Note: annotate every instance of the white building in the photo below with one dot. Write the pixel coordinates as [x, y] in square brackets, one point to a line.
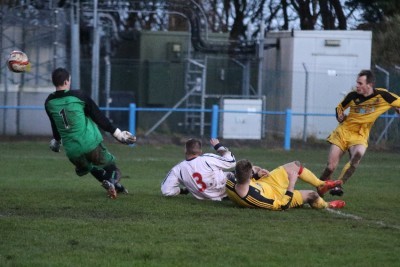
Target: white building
[310, 72]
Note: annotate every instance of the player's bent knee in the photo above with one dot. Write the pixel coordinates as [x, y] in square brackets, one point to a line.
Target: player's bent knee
[297, 163]
[293, 167]
[299, 167]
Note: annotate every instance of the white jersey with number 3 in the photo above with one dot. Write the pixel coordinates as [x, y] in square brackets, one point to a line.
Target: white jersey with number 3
[203, 176]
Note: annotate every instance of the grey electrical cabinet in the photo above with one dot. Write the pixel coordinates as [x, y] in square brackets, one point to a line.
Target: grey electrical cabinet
[242, 118]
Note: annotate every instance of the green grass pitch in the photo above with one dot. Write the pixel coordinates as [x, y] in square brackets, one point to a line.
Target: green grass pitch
[51, 217]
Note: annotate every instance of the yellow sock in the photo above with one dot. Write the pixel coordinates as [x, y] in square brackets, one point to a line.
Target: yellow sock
[307, 176]
[345, 168]
[319, 203]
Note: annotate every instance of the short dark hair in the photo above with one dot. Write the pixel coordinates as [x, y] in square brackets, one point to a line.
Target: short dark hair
[193, 147]
[370, 77]
[243, 170]
[59, 76]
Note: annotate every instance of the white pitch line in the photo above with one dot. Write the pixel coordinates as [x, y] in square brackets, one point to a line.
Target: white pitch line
[354, 217]
[358, 218]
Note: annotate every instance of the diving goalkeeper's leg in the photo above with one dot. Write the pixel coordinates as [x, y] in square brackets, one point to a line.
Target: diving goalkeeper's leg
[109, 177]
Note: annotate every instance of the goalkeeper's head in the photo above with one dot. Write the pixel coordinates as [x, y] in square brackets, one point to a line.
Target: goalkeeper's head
[193, 148]
[61, 79]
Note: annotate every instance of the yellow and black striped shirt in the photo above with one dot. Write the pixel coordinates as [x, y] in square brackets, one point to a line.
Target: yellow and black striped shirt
[260, 195]
[365, 110]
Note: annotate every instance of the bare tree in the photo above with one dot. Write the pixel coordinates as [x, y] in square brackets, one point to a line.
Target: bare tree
[342, 21]
[386, 36]
[304, 9]
[284, 6]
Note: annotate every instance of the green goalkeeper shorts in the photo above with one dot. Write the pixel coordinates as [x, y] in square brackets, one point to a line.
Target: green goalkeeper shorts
[97, 158]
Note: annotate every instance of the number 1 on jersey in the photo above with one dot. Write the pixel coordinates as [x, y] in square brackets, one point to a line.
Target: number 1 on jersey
[64, 117]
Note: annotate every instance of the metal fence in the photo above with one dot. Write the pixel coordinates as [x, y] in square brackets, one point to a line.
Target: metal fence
[133, 112]
[42, 34]
[313, 115]
[157, 85]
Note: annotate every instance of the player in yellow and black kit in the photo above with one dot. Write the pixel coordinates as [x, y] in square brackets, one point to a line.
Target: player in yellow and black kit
[366, 104]
[254, 187]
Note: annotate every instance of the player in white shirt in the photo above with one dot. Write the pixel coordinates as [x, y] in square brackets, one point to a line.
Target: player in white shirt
[202, 175]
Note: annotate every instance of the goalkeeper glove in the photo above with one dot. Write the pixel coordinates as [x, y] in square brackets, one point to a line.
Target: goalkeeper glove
[124, 137]
[55, 145]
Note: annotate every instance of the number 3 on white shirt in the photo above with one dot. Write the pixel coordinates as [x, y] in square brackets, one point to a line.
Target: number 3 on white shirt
[199, 180]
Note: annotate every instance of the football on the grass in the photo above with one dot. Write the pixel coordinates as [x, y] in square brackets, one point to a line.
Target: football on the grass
[18, 61]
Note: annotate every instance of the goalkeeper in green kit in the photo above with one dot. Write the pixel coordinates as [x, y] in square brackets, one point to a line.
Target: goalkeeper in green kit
[75, 120]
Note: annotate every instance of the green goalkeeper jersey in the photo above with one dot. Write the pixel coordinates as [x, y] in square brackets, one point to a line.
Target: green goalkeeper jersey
[75, 120]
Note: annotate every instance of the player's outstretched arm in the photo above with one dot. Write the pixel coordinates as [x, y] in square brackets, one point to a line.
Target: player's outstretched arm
[124, 137]
[221, 150]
